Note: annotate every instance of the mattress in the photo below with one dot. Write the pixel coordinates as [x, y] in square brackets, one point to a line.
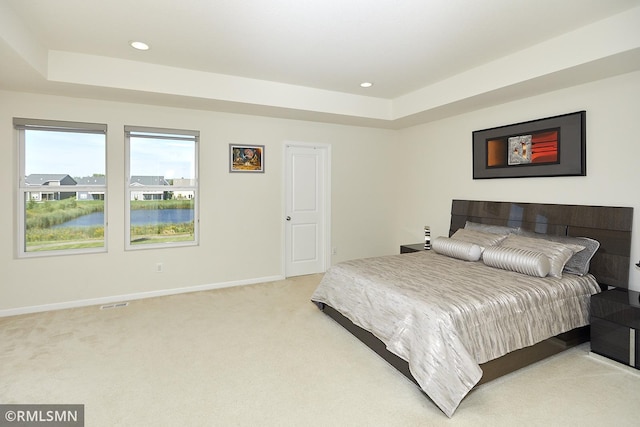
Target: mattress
[445, 316]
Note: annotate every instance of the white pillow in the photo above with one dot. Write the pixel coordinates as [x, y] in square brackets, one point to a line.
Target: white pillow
[519, 260]
[456, 248]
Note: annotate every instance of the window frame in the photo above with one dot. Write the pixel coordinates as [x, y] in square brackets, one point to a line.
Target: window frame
[21, 125]
[169, 134]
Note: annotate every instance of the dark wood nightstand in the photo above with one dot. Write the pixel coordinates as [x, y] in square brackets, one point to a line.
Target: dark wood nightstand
[416, 247]
[615, 325]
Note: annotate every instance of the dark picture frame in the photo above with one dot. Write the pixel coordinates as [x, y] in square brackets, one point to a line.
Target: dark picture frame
[553, 146]
[246, 158]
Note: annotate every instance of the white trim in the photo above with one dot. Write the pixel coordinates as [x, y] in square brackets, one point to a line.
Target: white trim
[614, 364]
[136, 296]
[21, 126]
[131, 188]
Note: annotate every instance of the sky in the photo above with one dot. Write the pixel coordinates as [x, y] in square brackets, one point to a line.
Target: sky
[80, 155]
[161, 157]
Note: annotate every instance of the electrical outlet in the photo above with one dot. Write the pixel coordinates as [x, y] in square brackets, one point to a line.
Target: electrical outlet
[334, 251]
[159, 267]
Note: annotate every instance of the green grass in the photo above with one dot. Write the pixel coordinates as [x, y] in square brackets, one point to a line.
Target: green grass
[162, 204]
[59, 246]
[162, 233]
[42, 216]
[64, 234]
[161, 239]
[49, 213]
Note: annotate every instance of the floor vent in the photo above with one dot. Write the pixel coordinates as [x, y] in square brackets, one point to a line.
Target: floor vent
[114, 305]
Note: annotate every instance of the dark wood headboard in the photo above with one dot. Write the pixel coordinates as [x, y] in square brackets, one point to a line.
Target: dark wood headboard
[609, 225]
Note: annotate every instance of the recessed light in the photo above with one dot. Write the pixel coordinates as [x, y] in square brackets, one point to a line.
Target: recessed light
[139, 45]
[366, 84]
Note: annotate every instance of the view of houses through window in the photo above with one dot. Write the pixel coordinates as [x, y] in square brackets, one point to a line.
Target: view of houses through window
[62, 186]
[162, 190]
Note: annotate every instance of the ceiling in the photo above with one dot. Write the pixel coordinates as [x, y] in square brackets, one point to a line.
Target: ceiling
[427, 59]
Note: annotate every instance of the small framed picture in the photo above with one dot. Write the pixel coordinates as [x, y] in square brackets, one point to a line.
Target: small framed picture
[246, 158]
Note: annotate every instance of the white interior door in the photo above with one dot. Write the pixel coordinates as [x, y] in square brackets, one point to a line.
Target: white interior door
[306, 208]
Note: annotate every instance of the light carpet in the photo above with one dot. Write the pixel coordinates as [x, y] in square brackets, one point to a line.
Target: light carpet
[264, 355]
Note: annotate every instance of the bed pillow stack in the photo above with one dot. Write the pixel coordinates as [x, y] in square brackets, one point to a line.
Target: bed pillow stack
[466, 244]
[558, 253]
[480, 238]
[513, 249]
[519, 260]
[580, 262]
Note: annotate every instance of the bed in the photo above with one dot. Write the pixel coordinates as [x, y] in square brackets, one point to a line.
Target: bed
[450, 322]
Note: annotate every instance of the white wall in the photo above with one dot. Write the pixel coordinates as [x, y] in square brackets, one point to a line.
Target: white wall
[437, 159]
[386, 185]
[241, 225]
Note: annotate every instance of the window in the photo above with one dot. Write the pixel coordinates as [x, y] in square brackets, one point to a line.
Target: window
[162, 187]
[62, 187]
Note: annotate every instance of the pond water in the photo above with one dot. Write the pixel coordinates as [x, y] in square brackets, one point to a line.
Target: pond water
[138, 217]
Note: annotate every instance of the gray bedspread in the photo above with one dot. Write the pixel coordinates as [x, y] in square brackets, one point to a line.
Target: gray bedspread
[446, 316]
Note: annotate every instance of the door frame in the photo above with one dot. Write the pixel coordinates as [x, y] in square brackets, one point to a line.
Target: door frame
[326, 201]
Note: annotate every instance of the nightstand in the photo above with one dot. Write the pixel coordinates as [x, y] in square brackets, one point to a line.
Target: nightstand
[416, 247]
[615, 325]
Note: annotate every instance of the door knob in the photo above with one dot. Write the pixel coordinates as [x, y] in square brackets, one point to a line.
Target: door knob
[288, 218]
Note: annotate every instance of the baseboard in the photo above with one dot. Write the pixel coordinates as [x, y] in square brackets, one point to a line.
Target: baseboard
[618, 365]
[131, 297]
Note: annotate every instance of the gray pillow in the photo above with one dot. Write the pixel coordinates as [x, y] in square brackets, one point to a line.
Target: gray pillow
[558, 253]
[480, 238]
[519, 260]
[456, 248]
[488, 228]
[580, 262]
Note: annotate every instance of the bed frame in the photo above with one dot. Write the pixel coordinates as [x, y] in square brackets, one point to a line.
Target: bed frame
[611, 226]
